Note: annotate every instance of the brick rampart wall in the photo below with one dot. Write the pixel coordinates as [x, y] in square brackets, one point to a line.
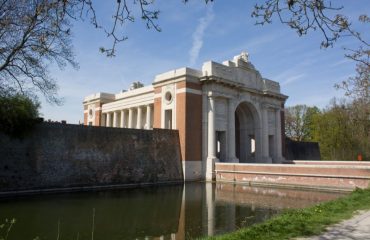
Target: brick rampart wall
[342, 177]
[67, 156]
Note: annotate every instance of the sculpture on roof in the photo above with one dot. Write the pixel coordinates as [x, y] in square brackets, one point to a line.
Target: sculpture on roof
[244, 56]
[242, 61]
[136, 85]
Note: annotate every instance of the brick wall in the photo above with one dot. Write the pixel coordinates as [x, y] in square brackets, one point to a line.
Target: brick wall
[330, 176]
[62, 156]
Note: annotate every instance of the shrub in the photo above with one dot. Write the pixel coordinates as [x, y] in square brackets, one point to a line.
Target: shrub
[18, 114]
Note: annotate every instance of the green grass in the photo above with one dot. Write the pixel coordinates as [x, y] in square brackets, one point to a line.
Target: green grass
[304, 222]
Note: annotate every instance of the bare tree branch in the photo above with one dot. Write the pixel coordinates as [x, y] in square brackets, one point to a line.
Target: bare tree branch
[311, 15]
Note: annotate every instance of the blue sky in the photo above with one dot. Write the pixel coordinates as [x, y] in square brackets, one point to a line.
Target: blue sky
[193, 33]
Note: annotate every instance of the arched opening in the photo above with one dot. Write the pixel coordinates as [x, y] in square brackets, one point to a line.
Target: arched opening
[247, 133]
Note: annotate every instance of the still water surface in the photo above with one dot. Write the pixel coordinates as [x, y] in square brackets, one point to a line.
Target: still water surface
[164, 212]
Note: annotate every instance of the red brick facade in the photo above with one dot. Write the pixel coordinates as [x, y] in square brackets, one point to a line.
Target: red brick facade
[189, 121]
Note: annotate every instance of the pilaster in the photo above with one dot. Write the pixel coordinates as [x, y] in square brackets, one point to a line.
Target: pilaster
[231, 131]
[211, 157]
[278, 137]
[265, 136]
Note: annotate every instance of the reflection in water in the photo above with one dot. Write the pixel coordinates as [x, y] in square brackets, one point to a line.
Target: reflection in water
[165, 212]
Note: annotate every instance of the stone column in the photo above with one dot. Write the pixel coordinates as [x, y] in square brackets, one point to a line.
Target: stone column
[108, 119]
[231, 131]
[148, 116]
[278, 146]
[115, 119]
[204, 134]
[265, 136]
[123, 119]
[139, 115]
[211, 157]
[130, 118]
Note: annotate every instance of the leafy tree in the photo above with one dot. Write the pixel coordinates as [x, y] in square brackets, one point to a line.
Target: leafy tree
[342, 131]
[18, 114]
[333, 133]
[299, 122]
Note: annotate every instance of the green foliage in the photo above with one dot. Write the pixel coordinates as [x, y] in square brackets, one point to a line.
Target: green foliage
[299, 122]
[304, 222]
[311, 115]
[18, 114]
[342, 129]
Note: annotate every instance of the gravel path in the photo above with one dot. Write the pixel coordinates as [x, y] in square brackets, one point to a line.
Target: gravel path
[356, 228]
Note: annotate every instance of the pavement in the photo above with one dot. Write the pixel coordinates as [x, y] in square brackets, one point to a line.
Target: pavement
[356, 228]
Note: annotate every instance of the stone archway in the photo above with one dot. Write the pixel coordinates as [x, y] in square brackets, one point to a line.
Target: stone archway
[247, 133]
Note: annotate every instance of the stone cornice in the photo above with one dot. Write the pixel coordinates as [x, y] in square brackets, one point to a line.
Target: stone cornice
[278, 96]
[223, 81]
[181, 78]
[266, 105]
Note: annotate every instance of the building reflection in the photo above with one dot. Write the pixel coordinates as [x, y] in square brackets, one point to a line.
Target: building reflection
[167, 212]
[219, 208]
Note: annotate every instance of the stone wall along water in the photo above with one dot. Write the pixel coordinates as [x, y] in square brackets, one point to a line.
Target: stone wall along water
[55, 156]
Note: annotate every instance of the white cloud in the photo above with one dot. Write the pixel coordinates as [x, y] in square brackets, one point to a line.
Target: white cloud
[341, 62]
[292, 79]
[198, 35]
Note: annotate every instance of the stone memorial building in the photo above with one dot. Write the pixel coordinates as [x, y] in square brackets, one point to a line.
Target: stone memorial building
[224, 113]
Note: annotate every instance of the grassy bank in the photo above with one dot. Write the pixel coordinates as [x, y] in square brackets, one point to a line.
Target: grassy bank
[304, 222]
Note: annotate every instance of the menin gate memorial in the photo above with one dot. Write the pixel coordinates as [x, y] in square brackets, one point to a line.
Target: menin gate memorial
[224, 113]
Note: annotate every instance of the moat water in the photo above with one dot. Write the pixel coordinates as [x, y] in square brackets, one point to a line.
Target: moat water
[163, 212]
